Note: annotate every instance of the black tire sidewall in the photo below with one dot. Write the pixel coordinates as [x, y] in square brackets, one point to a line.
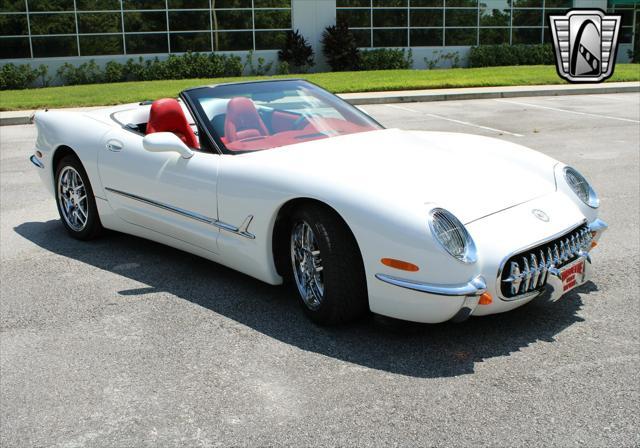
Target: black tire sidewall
[345, 292]
[93, 226]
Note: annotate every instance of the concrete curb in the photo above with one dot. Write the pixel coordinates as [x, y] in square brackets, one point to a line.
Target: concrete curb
[415, 96]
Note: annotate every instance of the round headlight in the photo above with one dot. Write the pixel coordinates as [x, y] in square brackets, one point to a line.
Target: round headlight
[581, 187]
[452, 235]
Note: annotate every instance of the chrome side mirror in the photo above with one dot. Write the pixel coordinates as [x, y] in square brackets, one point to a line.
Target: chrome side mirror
[166, 142]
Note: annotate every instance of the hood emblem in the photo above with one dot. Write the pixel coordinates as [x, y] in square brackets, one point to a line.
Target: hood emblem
[542, 216]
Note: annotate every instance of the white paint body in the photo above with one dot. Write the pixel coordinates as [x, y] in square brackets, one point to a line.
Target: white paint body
[383, 184]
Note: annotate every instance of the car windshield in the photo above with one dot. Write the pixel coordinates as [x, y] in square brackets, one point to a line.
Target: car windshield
[264, 115]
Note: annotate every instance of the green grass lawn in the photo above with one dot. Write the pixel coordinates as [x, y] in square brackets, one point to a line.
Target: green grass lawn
[344, 82]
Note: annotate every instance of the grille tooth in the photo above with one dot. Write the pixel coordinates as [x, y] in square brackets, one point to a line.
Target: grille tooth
[528, 271]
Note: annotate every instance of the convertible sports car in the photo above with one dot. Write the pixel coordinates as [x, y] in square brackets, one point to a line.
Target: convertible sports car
[284, 181]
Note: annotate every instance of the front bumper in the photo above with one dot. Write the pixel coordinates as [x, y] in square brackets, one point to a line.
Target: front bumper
[459, 301]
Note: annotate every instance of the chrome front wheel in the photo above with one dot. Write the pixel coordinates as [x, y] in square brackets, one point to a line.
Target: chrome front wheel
[307, 265]
[72, 197]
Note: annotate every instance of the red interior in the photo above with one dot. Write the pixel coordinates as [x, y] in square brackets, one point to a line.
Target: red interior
[166, 115]
[243, 121]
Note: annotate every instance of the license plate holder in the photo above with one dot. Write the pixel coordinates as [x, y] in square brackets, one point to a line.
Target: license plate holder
[573, 275]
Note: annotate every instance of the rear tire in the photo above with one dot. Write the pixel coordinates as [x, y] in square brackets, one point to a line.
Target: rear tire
[75, 200]
[326, 266]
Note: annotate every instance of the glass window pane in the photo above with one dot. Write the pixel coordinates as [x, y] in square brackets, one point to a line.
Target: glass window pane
[363, 37]
[183, 42]
[97, 45]
[53, 23]
[13, 24]
[189, 21]
[495, 13]
[466, 36]
[527, 17]
[232, 20]
[14, 48]
[390, 3]
[356, 3]
[461, 17]
[527, 35]
[145, 21]
[232, 4]
[494, 36]
[109, 22]
[146, 43]
[527, 3]
[462, 3]
[143, 4]
[272, 3]
[50, 47]
[626, 35]
[270, 40]
[426, 17]
[273, 19]
[389, 17]
[558, 4]
[232, 41]
[354, 17]
[426, 3]
[50, 5]
[188, 4]
[426, 38]
[559, 12]
[12, 6]
[390, 38]
[627, 16]
[97, 5]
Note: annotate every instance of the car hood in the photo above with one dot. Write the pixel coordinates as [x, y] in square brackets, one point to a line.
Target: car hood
[470, 175]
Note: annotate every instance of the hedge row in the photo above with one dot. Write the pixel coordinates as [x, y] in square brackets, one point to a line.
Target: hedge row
[505, 54]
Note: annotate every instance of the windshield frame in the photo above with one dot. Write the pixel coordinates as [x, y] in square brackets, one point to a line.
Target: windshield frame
[215, 140]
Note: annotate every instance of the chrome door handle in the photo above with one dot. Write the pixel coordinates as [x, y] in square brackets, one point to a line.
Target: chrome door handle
[114, 145]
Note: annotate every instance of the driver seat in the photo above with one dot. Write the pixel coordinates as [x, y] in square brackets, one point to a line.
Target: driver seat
[243, 121]
[166, 115]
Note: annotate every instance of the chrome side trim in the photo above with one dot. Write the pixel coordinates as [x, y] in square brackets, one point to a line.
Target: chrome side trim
[598, 225]
[475, 287]
[242, 230]
[37, 162]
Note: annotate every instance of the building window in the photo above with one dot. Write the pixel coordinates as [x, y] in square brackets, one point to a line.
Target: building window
[629, 25]
[54, 28]
[434, 23]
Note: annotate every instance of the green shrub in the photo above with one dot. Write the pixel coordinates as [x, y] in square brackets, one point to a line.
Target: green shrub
[87, 73]
[263, 68]
[296, 52]
[17, 76]
[340, 48]
[386, 59]
[114, 72]
[499, 55]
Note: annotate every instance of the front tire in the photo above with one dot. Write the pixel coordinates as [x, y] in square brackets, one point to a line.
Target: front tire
[327, 267]
[75, 200]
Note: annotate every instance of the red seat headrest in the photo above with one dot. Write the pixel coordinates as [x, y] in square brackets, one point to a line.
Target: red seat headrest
[166, 115]
[243, 120]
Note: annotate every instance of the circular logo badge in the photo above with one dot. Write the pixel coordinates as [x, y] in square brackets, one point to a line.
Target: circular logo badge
[542, 216]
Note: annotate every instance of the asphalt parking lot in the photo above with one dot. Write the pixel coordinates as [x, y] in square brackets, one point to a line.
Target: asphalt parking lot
[124, 342]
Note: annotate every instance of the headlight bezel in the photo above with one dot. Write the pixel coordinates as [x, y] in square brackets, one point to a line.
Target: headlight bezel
[573, 178]
[470, 254]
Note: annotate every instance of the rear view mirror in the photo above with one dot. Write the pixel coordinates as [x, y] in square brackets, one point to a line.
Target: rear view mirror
[166, 142]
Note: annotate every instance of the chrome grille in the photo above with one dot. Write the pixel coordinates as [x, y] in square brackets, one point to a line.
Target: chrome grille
[527, 271]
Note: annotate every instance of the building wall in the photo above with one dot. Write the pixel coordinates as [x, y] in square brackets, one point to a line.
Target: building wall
[58, 31]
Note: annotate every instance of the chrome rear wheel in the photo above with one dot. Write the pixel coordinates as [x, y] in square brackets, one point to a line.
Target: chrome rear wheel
[72, 197]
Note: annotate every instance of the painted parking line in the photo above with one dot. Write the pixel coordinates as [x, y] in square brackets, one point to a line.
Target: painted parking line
[453, 120]
[557, 109]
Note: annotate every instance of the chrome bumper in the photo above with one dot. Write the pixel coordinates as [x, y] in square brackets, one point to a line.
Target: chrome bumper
[475, 287]
[37, 162]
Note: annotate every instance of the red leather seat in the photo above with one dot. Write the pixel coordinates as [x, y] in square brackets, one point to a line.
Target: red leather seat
[243, 121]
[166, 115]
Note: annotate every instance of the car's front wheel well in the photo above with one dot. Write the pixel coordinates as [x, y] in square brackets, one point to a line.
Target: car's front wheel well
[282, 232]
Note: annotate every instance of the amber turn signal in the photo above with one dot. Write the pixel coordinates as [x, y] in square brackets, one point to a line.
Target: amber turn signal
[485, 299]
[593, 244]
[399, 264]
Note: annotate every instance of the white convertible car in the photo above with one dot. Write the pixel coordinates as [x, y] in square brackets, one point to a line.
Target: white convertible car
[284, 181]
